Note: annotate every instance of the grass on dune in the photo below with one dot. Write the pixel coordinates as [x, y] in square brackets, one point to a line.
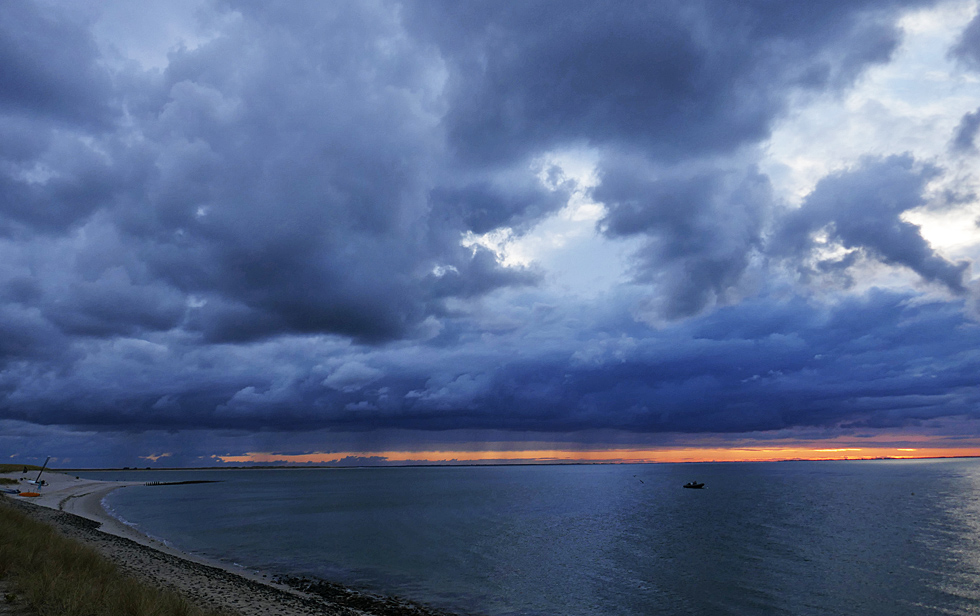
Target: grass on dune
[17, 468]
[58, 576]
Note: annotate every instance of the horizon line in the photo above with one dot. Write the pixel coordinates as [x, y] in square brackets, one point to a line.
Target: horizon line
[312, 465]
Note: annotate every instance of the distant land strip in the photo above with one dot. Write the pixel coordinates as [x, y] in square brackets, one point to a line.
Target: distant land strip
[312, 465]
[179, 483]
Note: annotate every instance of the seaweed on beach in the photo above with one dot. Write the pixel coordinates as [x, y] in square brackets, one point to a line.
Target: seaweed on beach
[205, 585]
[338, 594]
[180, 483]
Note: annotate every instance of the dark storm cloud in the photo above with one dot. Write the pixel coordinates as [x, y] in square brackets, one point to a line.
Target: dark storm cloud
[482, 207]
[677, 80]
[757, 366]
[861, 209]
[967, 48]
[298, 206]
[702, 225]
[114, 305]
[51, 67]
[291, 175]
[657, 82]
[966, 133]
[264, 235]
[26, 336]
[766, 364]
[272, 200]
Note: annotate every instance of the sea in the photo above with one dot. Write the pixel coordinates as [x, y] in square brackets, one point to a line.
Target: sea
[883, 537]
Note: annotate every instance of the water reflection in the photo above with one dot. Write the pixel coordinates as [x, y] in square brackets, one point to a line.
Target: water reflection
[875, 538]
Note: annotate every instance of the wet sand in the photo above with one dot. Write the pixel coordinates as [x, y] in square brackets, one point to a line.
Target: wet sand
[74, 506]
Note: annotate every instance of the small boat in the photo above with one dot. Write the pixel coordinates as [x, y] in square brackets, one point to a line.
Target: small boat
[9, 491]
[694, 485]
[29, 494]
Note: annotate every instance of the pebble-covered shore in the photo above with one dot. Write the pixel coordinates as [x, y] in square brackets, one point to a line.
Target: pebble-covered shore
[216, 588]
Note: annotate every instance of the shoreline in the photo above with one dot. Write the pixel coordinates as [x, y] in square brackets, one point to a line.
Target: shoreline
[89, 505]
[74, 507]
[83, 498]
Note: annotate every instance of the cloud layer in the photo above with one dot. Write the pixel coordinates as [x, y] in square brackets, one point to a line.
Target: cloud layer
[269, 230]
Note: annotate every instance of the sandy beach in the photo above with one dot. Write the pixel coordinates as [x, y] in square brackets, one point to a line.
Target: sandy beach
[74, 506]
[82, 497]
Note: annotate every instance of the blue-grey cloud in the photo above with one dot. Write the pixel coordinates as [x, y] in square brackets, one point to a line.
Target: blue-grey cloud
[51, 68]
[702, 225]
[264, 235]
[677, 80]
[760, 365]
[653, 85]
[861, 209]
[966, 133]
[266, 209]
[967, 48]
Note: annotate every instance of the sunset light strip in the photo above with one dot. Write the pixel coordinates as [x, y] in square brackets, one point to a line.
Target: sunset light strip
[608, 456]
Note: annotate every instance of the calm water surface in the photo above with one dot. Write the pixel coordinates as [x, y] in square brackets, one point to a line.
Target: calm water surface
[849, 538]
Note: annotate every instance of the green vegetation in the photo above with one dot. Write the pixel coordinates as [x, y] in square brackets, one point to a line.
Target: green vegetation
[57, 576]
[7, 481]
[16, 468]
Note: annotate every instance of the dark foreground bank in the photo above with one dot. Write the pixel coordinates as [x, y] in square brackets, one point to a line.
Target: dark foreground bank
[214, 589]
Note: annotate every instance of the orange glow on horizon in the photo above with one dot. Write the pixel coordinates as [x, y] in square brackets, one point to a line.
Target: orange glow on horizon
[610, 456]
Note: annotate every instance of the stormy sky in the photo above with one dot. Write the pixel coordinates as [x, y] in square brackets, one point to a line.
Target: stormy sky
[349, 228]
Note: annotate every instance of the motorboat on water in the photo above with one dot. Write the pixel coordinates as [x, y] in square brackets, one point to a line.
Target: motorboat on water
[694, 485]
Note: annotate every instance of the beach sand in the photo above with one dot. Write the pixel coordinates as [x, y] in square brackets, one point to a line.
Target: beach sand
[74, 506]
